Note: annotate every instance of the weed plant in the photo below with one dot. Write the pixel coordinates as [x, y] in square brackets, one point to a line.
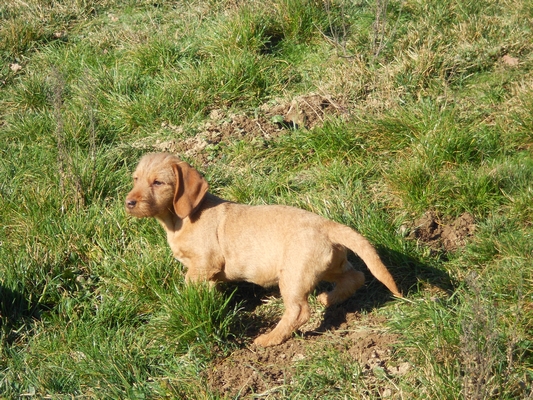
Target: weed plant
[436, 116]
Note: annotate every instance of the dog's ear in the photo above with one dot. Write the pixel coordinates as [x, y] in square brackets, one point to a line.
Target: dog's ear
[191, 188]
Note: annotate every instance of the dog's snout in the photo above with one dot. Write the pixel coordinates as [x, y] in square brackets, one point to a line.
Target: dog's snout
[131, 203]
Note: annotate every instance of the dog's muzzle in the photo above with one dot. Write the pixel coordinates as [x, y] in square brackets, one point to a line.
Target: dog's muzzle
[130, 204]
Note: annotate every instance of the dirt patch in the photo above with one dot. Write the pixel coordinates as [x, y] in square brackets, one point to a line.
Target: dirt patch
[268, 122]
[442, 233]
[303, 112]
[254, 371]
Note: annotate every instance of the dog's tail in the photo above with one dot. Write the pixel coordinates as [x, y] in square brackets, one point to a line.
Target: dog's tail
[356, 242]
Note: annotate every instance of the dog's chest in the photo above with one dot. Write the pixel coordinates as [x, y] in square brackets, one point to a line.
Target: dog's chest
[194, 248]
[180, 248]
[181, 257]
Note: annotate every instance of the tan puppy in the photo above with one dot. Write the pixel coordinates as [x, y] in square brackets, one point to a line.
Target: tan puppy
[268, 245]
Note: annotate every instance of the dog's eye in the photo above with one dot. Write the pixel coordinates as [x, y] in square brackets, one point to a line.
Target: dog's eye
[158, 183]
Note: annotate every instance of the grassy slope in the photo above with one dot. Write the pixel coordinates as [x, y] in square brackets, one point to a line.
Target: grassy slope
[90, 300]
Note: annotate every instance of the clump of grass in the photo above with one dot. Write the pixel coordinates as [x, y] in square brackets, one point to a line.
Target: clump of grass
[480, 349]
[467, 349]
[67, 175]
[197, 318]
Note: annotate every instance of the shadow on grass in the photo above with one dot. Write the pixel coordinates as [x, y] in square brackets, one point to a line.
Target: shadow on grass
[407, 271]
[248, 297]
[15, 310]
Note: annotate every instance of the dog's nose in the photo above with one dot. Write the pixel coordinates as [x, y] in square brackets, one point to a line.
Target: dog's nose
[131, 203]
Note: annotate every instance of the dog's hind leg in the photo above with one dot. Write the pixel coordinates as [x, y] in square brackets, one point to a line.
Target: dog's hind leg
[347, 280]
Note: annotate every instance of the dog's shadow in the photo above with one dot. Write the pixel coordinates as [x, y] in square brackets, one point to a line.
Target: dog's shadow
[407, 271]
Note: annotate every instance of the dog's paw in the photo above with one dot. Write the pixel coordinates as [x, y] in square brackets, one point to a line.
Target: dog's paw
[324, 298]
[268, 340]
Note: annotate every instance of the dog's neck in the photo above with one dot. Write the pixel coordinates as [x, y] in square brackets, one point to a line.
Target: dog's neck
[170, 222]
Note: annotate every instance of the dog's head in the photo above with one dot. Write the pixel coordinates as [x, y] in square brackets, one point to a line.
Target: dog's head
[163, 184]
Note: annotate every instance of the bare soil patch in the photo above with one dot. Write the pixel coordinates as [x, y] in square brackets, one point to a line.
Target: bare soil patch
[266, 123]
[254, 371]
[441, 233]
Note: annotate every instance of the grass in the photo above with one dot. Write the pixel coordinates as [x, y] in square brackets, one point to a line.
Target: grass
[436, 116]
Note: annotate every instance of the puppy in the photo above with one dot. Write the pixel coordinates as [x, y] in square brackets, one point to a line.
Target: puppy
[220, 241]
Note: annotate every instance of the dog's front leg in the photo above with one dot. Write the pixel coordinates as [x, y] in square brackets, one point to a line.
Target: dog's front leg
[294, 316]
[297, 313]
[196, 275]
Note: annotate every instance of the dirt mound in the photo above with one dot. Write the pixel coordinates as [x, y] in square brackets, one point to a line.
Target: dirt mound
[442, 233]
[255, 371]
[303, 112]
[268, 122]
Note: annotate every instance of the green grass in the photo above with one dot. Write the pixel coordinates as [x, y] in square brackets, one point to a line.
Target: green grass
[91, 301]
